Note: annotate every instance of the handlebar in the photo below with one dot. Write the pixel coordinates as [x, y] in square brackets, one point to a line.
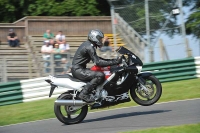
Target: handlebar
[124, 61]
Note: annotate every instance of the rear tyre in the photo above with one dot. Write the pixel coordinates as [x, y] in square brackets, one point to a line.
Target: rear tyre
[154, 93]
[70, 114]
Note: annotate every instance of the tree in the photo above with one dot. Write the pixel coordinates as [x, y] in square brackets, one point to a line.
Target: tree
[133, 12]
[12, 10]
[193, 21]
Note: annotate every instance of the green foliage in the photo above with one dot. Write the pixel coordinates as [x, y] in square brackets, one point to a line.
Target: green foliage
[193, 22]
[63, 8]
[12, 10]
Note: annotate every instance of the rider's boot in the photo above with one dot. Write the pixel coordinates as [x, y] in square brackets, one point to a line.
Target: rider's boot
[84, 94]
[96, 105]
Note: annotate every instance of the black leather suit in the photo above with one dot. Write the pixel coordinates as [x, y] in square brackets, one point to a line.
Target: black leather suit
[85, 53]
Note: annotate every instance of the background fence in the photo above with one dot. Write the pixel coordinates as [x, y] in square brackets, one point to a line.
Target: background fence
[26, 90]
[37, 25]
[153, 20]
[14, 67]
[36, 89]
[26, 62]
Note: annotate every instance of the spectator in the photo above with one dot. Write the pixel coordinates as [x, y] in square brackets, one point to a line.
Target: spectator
[61, 40]
[46, 51]
[13, 40]
[52, 42]
[65, 48]
[106, 45]
[57, 54]
[67, 66]
[48, 36]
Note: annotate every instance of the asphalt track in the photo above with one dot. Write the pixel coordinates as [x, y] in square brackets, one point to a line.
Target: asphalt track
[119, 120]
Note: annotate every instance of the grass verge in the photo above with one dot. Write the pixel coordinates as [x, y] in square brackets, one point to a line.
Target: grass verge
[44, 109]
[191, 128]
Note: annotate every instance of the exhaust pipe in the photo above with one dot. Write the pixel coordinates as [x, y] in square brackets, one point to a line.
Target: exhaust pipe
[70, 102]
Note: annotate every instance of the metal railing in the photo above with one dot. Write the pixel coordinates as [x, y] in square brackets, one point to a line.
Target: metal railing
[150, 21]
[3, 70]
[11, 70]
[55, 66]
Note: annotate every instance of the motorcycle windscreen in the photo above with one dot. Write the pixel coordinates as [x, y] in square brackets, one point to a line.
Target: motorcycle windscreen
[134, 58]
[122, 50]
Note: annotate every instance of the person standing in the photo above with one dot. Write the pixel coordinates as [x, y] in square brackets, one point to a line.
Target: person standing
[46, 51]
[106, 45]
[106, 48]
[66, 66]
[61, 40]
[57, 54]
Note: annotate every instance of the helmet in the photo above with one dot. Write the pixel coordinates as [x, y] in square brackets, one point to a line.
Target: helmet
[95, 36]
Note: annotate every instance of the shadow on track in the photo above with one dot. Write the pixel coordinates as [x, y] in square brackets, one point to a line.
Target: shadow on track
[123, 115]
[126, 115]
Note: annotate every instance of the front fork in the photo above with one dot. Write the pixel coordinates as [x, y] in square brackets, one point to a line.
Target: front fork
[142, 82]
[141, 86]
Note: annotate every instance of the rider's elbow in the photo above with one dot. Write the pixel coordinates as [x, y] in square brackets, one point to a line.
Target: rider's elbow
[98, 63]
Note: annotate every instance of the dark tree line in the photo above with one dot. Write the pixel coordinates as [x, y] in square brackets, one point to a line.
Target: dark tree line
[12, 10]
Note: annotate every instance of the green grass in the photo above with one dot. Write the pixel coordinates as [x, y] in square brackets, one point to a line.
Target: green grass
[43, 109]
[191, 128]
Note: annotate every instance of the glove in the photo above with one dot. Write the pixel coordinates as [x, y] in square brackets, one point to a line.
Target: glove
[119, 60]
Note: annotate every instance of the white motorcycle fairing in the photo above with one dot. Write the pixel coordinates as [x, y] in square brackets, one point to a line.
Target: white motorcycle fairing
[66, 82]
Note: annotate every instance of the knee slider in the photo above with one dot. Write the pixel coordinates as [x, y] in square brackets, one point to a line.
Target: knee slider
[100, 76]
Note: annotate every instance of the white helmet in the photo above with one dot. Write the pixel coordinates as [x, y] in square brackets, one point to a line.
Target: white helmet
[95, 36]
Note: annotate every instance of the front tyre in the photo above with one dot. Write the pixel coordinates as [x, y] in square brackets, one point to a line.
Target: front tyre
[70, 114]
[148, 95]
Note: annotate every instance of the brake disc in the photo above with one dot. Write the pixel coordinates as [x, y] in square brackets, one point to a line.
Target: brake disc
[149, 93]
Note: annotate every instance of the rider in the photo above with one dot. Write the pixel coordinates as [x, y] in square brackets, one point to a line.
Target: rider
[85, 53]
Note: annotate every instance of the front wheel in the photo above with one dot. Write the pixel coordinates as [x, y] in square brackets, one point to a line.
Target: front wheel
[70, 114]
[148, 94]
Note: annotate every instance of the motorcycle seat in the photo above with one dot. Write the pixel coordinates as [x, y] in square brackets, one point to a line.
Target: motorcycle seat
[68, 76]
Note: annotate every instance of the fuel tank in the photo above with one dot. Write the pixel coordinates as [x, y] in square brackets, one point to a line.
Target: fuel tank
[105, 70]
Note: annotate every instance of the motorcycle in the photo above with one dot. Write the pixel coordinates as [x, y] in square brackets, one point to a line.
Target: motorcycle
[121, 82]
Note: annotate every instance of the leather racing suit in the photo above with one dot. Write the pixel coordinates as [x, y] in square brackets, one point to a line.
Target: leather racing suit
[84, 54]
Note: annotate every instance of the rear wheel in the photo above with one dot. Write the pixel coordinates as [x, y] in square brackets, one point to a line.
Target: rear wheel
[70, 114]
[148, 96]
